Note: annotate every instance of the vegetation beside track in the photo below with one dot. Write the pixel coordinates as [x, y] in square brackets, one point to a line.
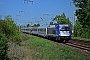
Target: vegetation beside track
[46, 50]
[82, 24]
[79, 38]
[8, 32]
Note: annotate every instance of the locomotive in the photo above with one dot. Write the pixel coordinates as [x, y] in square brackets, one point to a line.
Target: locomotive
[60, 32]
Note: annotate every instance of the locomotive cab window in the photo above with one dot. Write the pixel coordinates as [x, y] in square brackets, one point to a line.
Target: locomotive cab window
[64, 28]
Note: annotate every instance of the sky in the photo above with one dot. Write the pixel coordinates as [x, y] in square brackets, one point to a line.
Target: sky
[35, 11]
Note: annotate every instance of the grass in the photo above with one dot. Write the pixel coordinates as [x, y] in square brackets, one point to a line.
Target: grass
[35, 48]
[81, 38]
[46, 50]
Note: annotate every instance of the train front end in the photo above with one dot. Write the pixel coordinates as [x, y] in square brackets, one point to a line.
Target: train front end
[64, 32]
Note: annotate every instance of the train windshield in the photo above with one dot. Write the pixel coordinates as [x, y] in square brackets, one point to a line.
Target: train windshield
[64, 28]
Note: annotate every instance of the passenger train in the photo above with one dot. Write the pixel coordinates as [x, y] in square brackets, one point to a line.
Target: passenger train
[60, 32]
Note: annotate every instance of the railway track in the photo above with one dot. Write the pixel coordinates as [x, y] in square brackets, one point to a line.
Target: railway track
[80, 46]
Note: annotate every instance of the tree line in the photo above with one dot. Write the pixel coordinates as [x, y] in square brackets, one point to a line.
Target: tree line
[61, 19]
[82, 26]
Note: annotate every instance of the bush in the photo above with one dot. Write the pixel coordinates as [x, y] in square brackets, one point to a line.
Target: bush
[3, 47]
[10, 29]
[85, 33]
[80, 31]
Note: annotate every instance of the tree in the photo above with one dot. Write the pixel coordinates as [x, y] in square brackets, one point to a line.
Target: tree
[12, 32]
[77, 29]
[62, 19]
[87, 9]
[36, 25]
[83, 16]
[28, 25]
[51, 23]
[83, 11]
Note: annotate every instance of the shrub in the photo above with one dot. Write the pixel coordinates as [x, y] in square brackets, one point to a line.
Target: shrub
[3, 47]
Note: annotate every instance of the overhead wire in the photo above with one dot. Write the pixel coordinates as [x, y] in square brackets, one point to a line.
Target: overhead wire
[62, 10]
[39, 2]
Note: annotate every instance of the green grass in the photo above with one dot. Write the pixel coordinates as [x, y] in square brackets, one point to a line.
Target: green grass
[46, 50]
[81, 38]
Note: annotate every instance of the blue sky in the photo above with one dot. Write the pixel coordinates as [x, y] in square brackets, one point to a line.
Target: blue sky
[40, 11]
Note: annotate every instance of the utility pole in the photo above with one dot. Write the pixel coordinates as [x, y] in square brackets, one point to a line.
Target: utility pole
[27, 1]
[0, 17]
[73, 17]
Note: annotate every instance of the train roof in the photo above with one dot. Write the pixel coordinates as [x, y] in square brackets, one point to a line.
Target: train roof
[26, 27]
[52, 26]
